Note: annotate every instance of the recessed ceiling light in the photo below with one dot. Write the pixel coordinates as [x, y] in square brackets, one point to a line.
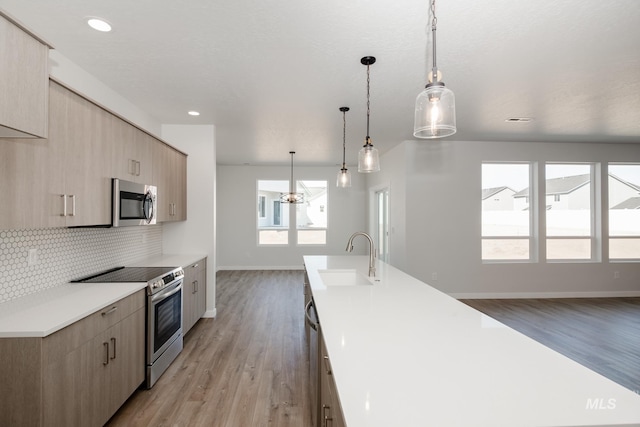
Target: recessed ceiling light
[519, 119]
[99, 24]
[194, 113]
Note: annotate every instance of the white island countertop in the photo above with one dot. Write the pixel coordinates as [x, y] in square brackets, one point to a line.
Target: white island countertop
[405, 354]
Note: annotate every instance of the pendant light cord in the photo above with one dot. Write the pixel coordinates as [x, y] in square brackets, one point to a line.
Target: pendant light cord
[434, 23]
[368, 103]
[291, 192]
[344, 137]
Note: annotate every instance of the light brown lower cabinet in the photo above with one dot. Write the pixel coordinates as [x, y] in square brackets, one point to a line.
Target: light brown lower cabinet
[78, 376]
[195, 294]
[330, 409]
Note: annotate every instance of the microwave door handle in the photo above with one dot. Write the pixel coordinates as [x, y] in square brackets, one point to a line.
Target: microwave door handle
[148, 207]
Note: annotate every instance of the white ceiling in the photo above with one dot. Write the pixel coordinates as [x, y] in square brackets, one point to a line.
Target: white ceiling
[271, 75]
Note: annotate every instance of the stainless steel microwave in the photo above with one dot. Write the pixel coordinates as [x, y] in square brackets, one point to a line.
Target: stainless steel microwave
[133, 204]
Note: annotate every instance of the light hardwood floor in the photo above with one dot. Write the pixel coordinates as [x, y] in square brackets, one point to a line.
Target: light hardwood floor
[246, 367]
[602, 334]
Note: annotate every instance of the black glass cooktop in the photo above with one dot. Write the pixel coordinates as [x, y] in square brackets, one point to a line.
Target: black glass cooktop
[127, 274]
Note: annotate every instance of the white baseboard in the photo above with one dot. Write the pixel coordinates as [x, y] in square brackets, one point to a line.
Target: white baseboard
[535, 295]
[210, 313]
[260, 267]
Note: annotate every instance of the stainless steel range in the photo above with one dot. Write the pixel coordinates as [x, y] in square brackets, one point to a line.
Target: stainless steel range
[164, 311]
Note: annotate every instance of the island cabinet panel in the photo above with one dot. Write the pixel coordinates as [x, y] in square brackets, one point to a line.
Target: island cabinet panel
[78, 376]
[330, 409]
[195, 293]
[24, 83]
[170, 176]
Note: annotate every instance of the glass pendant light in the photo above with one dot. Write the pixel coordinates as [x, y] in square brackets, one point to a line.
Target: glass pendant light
[368, 156]
[344, 176]
[292, 196]
[435, 115]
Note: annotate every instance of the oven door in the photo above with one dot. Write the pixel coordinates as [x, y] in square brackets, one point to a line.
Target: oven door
[164, 320]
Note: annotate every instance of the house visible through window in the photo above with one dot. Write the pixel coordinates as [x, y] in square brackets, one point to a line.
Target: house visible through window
[506, 213]
[624, 211]
[311, 216]
[570, 201]
[262, 209]
[273, 226]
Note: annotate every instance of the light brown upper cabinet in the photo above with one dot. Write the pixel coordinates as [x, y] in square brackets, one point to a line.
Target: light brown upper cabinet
[24, 82]
[170, 176]
[65, 180]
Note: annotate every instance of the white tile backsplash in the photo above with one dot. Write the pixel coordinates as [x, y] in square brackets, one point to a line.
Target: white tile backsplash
[63, 254]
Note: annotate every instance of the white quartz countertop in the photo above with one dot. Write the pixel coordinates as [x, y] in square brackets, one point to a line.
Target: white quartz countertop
[405, 354]
[48, 311]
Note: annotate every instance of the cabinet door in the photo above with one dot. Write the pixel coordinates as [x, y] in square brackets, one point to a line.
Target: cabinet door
[194, 292]
[24, 83]
[132, 153]
[179, 185]
[128, 366]
[97, 362]
[170, 176]
[87, 168]
[330, 410]
[62, 390]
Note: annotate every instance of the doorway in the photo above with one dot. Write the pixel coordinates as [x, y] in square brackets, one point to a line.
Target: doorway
[382, 223]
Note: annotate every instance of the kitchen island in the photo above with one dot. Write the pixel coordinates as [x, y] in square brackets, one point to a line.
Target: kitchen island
[403, 353]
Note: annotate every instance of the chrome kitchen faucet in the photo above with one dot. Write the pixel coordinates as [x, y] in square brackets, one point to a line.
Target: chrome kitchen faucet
[372, 251]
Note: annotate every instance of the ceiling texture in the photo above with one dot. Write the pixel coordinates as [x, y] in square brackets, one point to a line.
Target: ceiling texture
[271, 75]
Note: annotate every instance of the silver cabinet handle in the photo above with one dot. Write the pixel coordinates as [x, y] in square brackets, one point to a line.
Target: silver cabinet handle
[106, 353]
[73, 204]
[113, 341]
[64, 205]
[132, 167]
[137, 168]
[111, 310]
[327, 366]
[311, 323]
[195, 286]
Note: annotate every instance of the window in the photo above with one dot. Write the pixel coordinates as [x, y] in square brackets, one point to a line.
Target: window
[273, 217]
[569, 205]
[311, 216]
[506, 212]
[624, 211]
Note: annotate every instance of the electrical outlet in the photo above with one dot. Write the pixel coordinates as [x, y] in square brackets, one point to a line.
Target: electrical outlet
[434, 276]
[33, 257]
[616, 274]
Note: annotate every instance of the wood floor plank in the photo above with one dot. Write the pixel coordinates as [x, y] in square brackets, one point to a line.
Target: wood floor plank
[247, 367]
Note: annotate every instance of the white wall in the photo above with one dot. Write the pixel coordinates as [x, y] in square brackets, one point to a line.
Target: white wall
[237, 217]
[197, 234]
[442, 211]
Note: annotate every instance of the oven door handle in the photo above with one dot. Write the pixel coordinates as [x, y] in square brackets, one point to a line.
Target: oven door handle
[162, 296]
